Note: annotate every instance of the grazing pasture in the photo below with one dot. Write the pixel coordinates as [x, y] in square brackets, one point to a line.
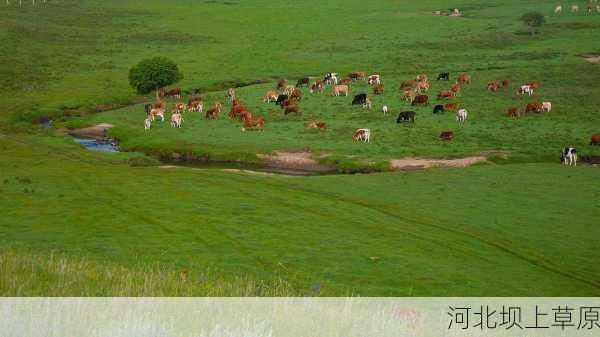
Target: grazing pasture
[492, 229]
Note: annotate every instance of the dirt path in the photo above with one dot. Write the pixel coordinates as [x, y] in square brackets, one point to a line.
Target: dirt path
[420, 163]
[97, 131]
[295, 161]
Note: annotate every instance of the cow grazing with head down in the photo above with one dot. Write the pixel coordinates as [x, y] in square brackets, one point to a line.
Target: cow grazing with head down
[445, 94]
[359, 99]
[363, 135]
[253, 123]
[535, 107]
[595, 139]
[290, 108]
[443, 77]
[438, 109]
[406, 117]
[569, 156]
[461, 115]
[270, 96]
[378, 89]
[345, 81]
[447, 135]
[318, 86]
[464, 78]
[357, 75]
[303, 82]
[296, 94]
[451, 106]
[195, 104]
[513, 112]
[420, 100]
[213, 113]
[154, 113]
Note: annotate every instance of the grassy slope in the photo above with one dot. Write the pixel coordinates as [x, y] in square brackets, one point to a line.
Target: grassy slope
[486, 230]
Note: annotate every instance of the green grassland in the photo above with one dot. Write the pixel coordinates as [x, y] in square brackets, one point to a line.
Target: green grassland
[523, 227]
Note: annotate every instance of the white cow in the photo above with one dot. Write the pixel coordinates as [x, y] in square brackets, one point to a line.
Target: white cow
[558, 9]
[384, 109]
[461, 115]
[176, 120]
[574, 8]
[526, 89]
[363, 135]
[546, 106]
[147, 123]
[569, 156]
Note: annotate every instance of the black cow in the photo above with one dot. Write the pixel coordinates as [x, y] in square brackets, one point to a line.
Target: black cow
[406, 117]
[303, 81]
[281, 99]
[359, 99]
[443, 77]
[438, 109]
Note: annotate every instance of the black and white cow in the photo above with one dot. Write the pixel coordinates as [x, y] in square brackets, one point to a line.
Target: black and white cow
[443, 77]
[569, 156]
[406, 117]
[330, 78]
[360, 99]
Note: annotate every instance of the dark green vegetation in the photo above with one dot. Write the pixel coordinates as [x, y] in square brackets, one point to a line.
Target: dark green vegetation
[524, 228]
[152, 74]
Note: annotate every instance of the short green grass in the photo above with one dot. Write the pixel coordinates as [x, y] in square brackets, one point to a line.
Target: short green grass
[488, 230]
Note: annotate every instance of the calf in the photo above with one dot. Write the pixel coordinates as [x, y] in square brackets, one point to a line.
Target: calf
[359, 99]
[384, 109]
[147, 123]
[443, 77]
[461, 115]
[176, 120]
[420, 99]
[303, 82]
[445, 94]
[378, 89]
[558, 9]
[271, 95]
[546, 106]
[438, 109]
[513, 112]
[213, 113]
[374, 79]
[446, 135]
[569, 156]
[406, 117]
[574, 8]
[363, 135]
[339, 90]
[464, 78]
[595, 139]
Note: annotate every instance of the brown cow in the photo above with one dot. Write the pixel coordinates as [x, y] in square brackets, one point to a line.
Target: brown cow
[174, 93]
[451, 106]
[420, 99]
[595, 139]
[455, 88]
[535, 107]
[236, 109]
[505, 83]
[253, 123]
[409, 95]
[345, 81]
[408, 84]
[315, 125]
[213, 113]
[271, 95]
[378, 89]
[513, 112]
[296, 94]
[493, 86]
[422, 86]
[421, 78]
[358, 75]
[290, 108]
[464, 78]
[280, 84]
[445, 94]
[447, 135]
[533, 85]
[317, 86]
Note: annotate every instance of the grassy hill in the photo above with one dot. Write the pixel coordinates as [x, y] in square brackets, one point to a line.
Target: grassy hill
[485, 230]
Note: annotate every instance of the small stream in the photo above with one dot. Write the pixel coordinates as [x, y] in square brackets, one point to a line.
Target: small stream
[100, 145]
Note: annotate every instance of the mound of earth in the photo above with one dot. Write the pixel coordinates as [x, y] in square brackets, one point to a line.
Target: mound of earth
[294, 161]
[97, 131]
[420, 163]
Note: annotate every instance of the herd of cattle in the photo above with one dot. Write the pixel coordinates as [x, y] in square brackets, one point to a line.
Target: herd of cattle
[575, 7]
[288, 96]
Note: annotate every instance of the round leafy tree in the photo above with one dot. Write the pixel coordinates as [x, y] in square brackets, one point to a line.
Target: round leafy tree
[533, 20]
[153, 74]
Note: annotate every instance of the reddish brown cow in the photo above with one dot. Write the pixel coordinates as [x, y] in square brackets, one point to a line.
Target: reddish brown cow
[213, 113]
[464, 78]
[595, 139]
[378, 89]
[421, 99]
[493, 86]
[455, 88]
[513, 112]
[535, 107]
[451, 106]
[253, 123]
[345, 81]
[447, 135]
[445, 94]
[236, 109]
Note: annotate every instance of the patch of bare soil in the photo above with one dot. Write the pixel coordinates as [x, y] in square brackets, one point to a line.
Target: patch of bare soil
[97, 131]
[421, 163]
[592, 58]
[294, 161]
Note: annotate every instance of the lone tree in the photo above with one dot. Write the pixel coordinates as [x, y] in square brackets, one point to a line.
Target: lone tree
[533, 20]
[154, 74]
